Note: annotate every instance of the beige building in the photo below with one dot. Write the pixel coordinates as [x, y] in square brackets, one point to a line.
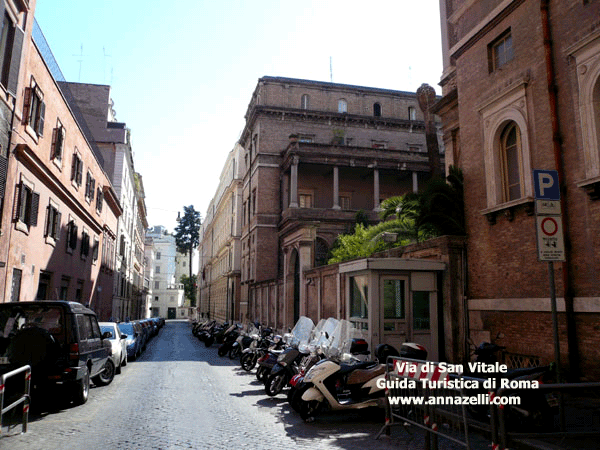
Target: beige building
[220, 247]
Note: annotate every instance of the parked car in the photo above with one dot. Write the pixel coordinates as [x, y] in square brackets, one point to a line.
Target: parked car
[118, 344]
[60, 340]
[134, 340]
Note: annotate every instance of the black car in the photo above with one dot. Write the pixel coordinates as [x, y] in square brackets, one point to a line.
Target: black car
[60, 340]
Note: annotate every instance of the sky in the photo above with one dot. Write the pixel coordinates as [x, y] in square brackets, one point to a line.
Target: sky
[183, 72]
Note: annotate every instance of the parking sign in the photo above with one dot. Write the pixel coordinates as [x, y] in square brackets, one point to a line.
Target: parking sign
[546, 185]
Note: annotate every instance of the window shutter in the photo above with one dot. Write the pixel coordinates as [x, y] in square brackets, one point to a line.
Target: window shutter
[92, 189]
[73, 237]
[79, 171]
[35, 206]
[53, 152]
[15, 61]
[74, 167]
[27, 105]
[3, 172]
[95, 250]
[48, 227]
[61, 144]
[57, 218]
[40, 129]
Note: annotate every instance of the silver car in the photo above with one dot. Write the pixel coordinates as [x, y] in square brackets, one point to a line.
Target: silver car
[118, 344]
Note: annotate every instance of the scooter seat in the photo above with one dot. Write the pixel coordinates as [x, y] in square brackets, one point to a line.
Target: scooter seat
[360, 376]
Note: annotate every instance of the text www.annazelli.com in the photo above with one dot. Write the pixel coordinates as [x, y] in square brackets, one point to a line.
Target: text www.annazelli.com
[480, 399]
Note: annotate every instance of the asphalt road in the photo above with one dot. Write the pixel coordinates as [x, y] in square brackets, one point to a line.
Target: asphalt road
[179, 394]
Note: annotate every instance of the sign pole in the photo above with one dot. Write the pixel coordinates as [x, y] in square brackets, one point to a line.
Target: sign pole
[554, 319]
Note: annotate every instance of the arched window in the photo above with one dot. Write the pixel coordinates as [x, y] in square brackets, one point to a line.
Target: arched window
[321, 252]
[510, 159]
[342, 106]
[377, 110]
[304, 101]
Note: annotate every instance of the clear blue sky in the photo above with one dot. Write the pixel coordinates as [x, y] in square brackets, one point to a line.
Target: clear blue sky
[182, 72]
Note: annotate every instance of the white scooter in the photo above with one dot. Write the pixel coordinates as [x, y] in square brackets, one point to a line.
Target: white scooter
[341, 381]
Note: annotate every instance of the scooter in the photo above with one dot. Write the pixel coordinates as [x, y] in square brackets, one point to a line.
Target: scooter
[229, 337]
[342, 381]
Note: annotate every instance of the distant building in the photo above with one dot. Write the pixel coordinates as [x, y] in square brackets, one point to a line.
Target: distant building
[167, 292]
[521, 91]
[313, 156]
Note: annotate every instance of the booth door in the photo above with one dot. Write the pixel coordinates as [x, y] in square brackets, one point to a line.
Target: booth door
[394, 310]
[407, 315]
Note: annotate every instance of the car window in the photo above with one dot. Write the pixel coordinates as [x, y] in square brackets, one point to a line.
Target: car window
[110, 329]
[126, 328]
[85, 328]
[95, 328]
[48, 318]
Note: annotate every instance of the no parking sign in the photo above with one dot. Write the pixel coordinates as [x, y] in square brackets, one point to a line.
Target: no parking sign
[550, 242]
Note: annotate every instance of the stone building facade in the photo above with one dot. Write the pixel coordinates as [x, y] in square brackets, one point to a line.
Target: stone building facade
[220, 246]
[314, 155]
[521, 91]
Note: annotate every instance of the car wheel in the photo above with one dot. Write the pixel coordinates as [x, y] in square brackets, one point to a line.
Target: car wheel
[107, 375]
[81, 391]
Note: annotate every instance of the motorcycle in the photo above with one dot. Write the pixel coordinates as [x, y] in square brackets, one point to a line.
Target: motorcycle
[229, 337]
[341, 381]
[215, 334]
[536, 410]
[258, 348]
[288, 362]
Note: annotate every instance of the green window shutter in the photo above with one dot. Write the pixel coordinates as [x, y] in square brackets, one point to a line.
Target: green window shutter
[35, 206]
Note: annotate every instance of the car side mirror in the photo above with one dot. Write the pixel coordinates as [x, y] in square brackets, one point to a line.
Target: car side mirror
[123, 336]
[106, 335]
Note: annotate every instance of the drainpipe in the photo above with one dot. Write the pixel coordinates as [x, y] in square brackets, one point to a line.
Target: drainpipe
[557, 146]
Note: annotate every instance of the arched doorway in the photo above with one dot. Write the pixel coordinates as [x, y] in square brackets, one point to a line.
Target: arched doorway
[296, 265]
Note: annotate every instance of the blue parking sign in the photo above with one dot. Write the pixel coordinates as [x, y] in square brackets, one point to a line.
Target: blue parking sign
[546, 185]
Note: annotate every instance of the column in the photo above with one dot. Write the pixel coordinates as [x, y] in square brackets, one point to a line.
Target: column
[376, 189]
[294, 183]
[415, 182]
[336, 188]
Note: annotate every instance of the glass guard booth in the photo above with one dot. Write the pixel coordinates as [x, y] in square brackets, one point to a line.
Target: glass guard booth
[394, 300]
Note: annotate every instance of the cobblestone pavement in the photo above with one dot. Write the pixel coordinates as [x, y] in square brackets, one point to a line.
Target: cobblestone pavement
[179, 394]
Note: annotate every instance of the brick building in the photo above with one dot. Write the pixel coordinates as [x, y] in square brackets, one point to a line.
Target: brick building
[504, 61]
[60, 215]
[315, 154]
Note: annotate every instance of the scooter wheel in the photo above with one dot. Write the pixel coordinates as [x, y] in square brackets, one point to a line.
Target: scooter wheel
[209, 341]
[248, 362]
[222, 351]
[260, 373]
[274, 384]
[234, 353]
[308, 410]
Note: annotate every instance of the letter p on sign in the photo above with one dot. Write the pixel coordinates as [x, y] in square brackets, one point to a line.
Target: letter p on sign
[546, 185]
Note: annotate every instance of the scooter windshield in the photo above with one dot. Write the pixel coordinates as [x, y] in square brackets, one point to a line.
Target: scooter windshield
[342, 340]
[301, 331]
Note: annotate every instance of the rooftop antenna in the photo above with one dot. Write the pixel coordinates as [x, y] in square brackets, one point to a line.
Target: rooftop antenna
[80, 61]
[104, 67]
[330, 69]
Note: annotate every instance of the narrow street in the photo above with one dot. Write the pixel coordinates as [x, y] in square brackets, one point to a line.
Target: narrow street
[180, 394]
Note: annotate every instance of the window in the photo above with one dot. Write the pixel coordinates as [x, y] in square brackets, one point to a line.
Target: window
[28, 206]
[254, 201]
[11, 43]
[359, 297]
[34, 108]
[393, 299]
[421, 315]
[305, 138]
[90, 187]
[304, 101]
[157, 285]
[342, 106]
[157, 269]
[345, 202]
[157, 255]
[71, 236]
[76, 169]
[377, 110]
[305, 200]
[412, 113]
[95, 249]
[52, 222]
[510, 147]
[99, 199]
[15, 292]
[58, 142]
[500, 51]
[85, 244]
[64, 288]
